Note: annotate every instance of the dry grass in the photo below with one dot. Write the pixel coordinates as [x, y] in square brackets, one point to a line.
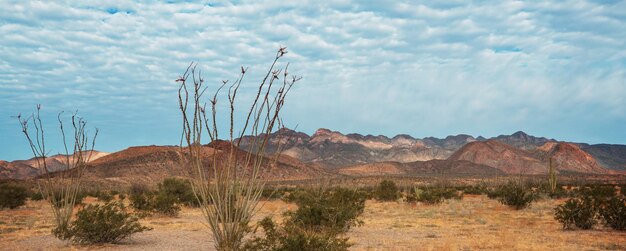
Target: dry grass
[475, 223]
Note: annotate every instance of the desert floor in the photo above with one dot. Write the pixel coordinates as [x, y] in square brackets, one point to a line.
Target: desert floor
[474, 223]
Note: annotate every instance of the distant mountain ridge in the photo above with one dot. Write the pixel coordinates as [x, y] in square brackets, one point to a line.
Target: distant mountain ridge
[332, 149]
[329, 152]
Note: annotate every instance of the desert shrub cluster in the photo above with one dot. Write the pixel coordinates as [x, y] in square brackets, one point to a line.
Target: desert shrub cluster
[592, 205]
[513, 194]
[475, 189]
[576, 213]
[270, 193]
[103, 223]
[12, 195]
[167, 199]
[318, 223]
[386, 190]
[433, 194]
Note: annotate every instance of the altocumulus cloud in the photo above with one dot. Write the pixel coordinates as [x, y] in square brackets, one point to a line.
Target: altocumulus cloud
[554, 69]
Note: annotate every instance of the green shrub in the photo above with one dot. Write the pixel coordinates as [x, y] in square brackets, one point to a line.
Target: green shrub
[36, 196]
[104, 196]
[107, 223]
[291, 237]
[599, 192]
[165, 200]
[334, 210]
[576, 213]
[614, 213]
[432, 195]
[276, 193]
[165, 203]
[317, 223]
[180, 189]
[386, 191]
[141, 197]
[514, 195]
[476, 189]
[12, 195]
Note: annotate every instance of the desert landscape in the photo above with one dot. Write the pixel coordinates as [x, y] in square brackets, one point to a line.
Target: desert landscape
[472, 219]
[312, 125]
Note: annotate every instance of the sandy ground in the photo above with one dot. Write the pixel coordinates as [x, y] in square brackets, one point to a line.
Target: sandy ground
[474, 223]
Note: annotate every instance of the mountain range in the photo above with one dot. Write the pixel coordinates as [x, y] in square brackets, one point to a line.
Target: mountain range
[331, 153]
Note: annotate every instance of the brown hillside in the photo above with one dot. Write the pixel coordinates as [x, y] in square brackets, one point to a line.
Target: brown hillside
[151, 164]
[496, 154]
[569, 157]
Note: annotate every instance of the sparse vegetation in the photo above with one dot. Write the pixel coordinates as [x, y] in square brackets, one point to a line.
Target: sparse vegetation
[576, 213]
[387, 191]
[433, 194]
[35, 195]
[513, 194]
[107, 223]
[614, 213]
[322, 216]
[291, 237]
[61, 189]
[165, 200]
[140, 197]
[178, 189]
[333, 210]
[12, 195]
[227, 192]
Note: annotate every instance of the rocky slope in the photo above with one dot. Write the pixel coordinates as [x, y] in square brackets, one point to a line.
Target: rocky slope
[23, 169]
[326, 152]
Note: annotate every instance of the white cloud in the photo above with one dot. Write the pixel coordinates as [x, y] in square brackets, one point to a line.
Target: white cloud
[388, 67]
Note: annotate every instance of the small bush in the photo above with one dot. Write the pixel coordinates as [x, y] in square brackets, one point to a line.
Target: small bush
[108, 223]
[276, 193]
[476, 190]
[36, 196]
[514, 195]
[432, 195]
[576, 213]
[291, 237]
[165, 200]
[140, 197]
[180, 190]
[12, 195]
[165, 203]
[614, 213]
[317, 223]
[599, 192]
[104, 196]
[386, 191]
[335, 210]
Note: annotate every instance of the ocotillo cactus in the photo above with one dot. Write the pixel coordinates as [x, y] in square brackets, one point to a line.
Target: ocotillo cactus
[552, 177]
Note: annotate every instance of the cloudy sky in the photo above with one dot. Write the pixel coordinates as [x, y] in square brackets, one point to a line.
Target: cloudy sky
[554, 69]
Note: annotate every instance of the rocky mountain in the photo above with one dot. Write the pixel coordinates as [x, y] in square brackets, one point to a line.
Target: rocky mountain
[329, 152]
[610, 156]
[151, 164]
[509, 153]
[522, 140]
[499, 155]
[333, 149]
[22, 169]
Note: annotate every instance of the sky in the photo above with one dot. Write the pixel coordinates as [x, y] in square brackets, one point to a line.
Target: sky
[433, 68]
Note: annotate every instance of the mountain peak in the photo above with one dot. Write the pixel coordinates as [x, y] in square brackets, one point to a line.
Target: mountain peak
[520, 134]
[322, 131]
